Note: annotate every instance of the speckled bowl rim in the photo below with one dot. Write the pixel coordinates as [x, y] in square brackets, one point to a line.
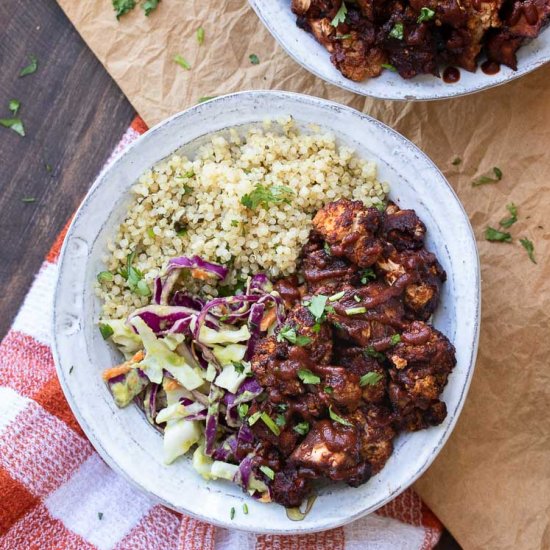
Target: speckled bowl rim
[63, 369]
[421, 88]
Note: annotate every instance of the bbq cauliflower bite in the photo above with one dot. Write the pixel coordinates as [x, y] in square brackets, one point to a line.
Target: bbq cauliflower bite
[402, 228]
[349, 228]
[421, 363]
[419, 274]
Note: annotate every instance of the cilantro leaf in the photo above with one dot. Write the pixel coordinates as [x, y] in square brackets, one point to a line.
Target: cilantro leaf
[182, 62]
[494, 235]
[317, 306]
[134, 277]
[397, 31]
[242, 409]
[232, 513]
[395, 339]
[14, 105]
[340, 16]
[302, 428]
[280, 420]
[389, 67]
[370, 379]
[263, 196]
[123, 6]
[206, 98]
[307, 377]
[529, 247]
[254, 59]
[30, 68]
[483, 180]
[200, 36]
[371, 352]
[149, 5]
[426, 14]
[15, 124]
[338, 418]
[105, 276]
[512, 219]
[367, 275]
[289, 334]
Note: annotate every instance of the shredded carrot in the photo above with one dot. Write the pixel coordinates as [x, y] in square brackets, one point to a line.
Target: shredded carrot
[268, 319]
[124, 368]
[170, 385]
[200, 274]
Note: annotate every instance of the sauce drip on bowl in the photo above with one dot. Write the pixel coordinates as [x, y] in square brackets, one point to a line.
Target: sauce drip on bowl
[490, 67]
[451, 75]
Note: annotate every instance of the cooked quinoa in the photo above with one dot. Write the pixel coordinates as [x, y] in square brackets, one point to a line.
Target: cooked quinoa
[187, 207]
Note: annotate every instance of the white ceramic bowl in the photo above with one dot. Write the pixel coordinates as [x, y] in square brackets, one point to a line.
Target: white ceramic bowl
[124, 438]
[305, 50]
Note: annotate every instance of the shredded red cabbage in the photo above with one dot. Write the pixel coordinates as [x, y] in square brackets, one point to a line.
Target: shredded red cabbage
[196, 262]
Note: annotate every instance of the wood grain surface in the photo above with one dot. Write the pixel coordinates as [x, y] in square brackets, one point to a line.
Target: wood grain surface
[74, 115]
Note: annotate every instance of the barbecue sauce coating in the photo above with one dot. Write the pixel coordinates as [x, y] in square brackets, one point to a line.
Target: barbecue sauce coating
[415, 37]
[340, 385]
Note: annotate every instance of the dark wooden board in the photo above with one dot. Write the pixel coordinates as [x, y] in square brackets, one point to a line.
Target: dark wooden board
[74, 115]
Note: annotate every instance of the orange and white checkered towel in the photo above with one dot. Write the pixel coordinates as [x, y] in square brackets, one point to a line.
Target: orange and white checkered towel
[57, 493]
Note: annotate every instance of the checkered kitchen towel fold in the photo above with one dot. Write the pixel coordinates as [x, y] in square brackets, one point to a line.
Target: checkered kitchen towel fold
[56, 492]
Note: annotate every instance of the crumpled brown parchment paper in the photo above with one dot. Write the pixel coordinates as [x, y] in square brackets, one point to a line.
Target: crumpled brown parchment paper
[491, 483]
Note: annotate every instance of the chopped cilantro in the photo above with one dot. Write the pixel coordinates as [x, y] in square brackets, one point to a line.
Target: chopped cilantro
[389, 67]
[367, 275]
[280, 420]
[234, 223]
[529, 248]
[340, 16]
[106, 331]
[105, 277]
[482, 180]
[31, 67]
[282, 407]
[268, 472]
[206, 98]
[370, 379]
[134, 277]
[123, 6]
[426, 14]
[182, 62]
[494, 235]
[151, 232]
[15, 124]
[395, 339]
[14, 105]
[200, 35]
[456, 161]
[512, 219]
[371, 352]
[254, 59]
[263, 196]
[328, 389]
[289, 334]
[149, 5]
[239, 367]
[338, 418]
[307, 377]
[302, 428]
[232, 513]
[316, 327]
[397, 31]
[245, 508]
[317, 306]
